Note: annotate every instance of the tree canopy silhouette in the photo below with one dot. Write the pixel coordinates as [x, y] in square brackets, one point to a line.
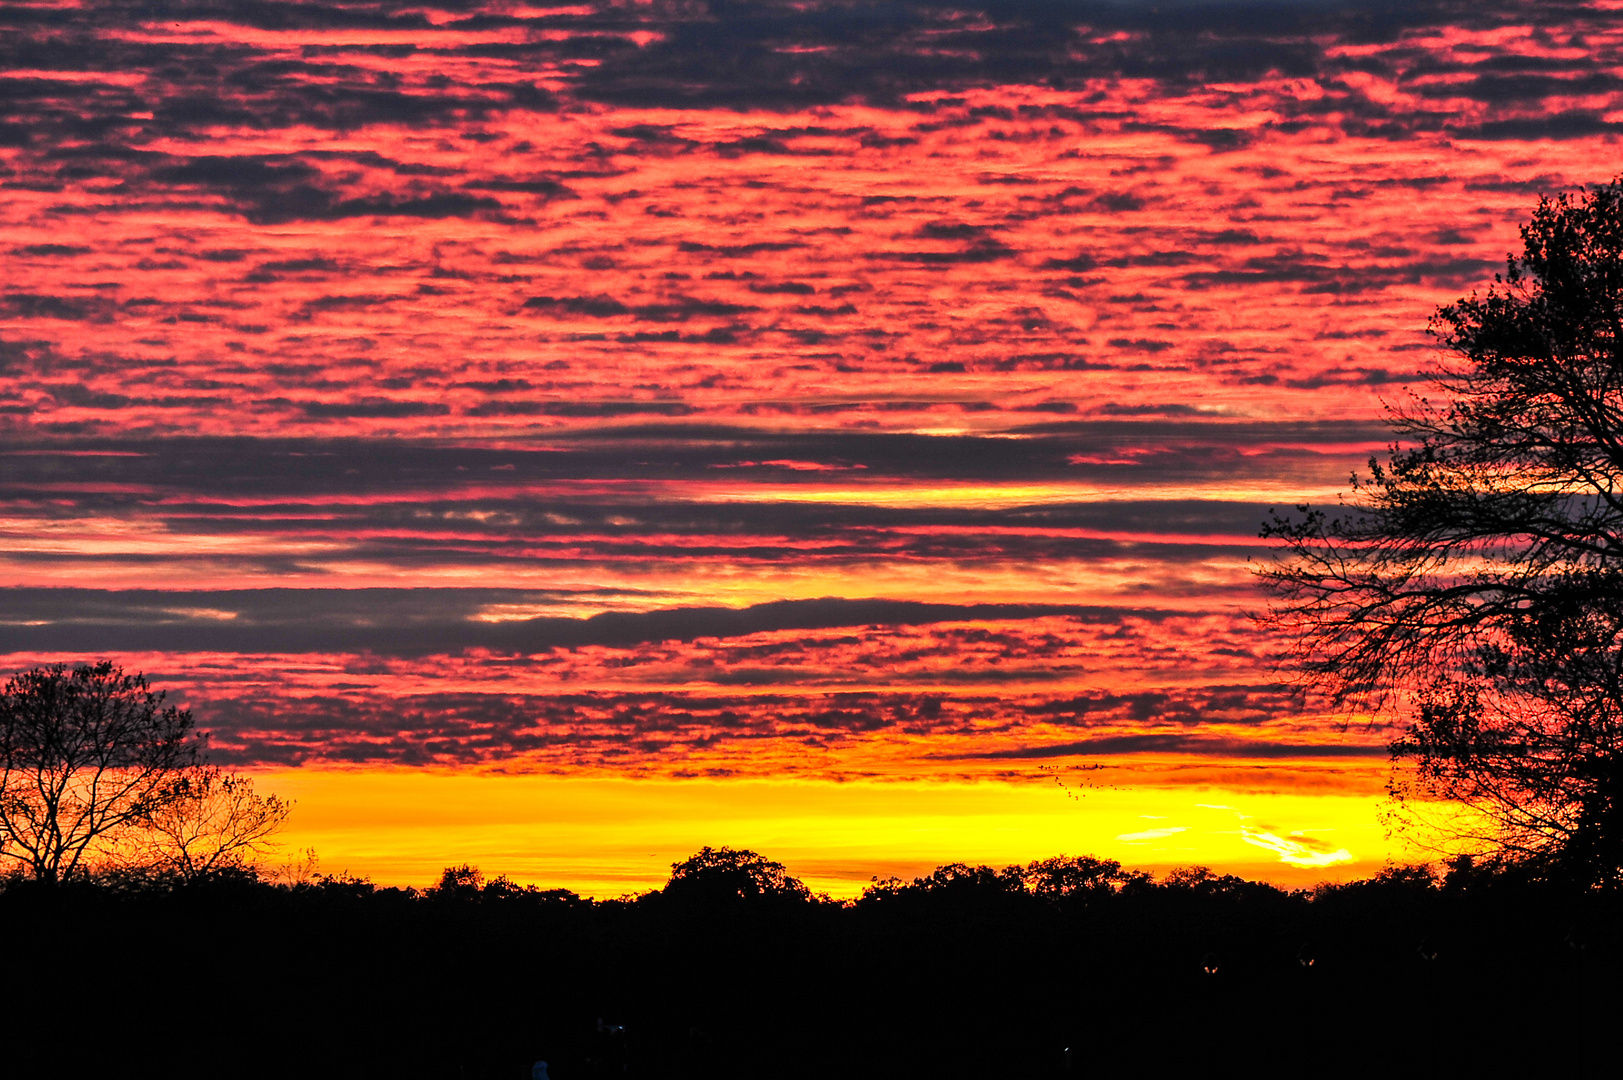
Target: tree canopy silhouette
[84, 755]
[728, 874]
[96, 773]
[1473, 583]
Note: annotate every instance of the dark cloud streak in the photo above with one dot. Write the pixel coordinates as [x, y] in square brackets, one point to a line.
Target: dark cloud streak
[420, 622]
[1125, 450]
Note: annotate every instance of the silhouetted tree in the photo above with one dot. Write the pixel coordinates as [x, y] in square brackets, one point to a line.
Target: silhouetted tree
[85, 755]
[963, 876]
[468, 884]
[955, 890]
[464, 883]
[1474, 583]
[723, 874]
[213, 823]
[1066, 878]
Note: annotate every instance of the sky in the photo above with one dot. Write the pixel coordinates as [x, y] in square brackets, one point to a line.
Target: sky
[561, 437]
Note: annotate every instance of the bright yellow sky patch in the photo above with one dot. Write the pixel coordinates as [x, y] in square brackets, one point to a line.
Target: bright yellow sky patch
[606, 837]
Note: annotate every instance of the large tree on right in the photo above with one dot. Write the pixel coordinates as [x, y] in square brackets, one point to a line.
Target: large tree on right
[1472, 584]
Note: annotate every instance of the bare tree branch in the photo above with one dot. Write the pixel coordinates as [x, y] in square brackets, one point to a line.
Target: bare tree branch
[215, 823]
[1473, 582]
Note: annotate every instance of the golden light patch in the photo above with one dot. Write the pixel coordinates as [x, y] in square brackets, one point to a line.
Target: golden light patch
[607, 837]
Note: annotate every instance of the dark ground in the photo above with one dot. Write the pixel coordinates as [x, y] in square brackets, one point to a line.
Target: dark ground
[970, 973]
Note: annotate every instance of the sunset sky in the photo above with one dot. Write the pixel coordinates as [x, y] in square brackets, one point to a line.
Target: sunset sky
[560, 437]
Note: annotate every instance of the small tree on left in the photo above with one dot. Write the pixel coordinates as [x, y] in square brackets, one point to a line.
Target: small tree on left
[86, 754]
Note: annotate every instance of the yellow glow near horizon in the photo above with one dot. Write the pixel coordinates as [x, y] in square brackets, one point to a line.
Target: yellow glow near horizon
[1010, 495]
[609, 837]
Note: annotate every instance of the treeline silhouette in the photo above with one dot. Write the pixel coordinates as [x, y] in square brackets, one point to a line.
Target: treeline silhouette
[1066, 967]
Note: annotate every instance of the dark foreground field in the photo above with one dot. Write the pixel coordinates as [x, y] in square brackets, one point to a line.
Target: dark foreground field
[970, 973]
